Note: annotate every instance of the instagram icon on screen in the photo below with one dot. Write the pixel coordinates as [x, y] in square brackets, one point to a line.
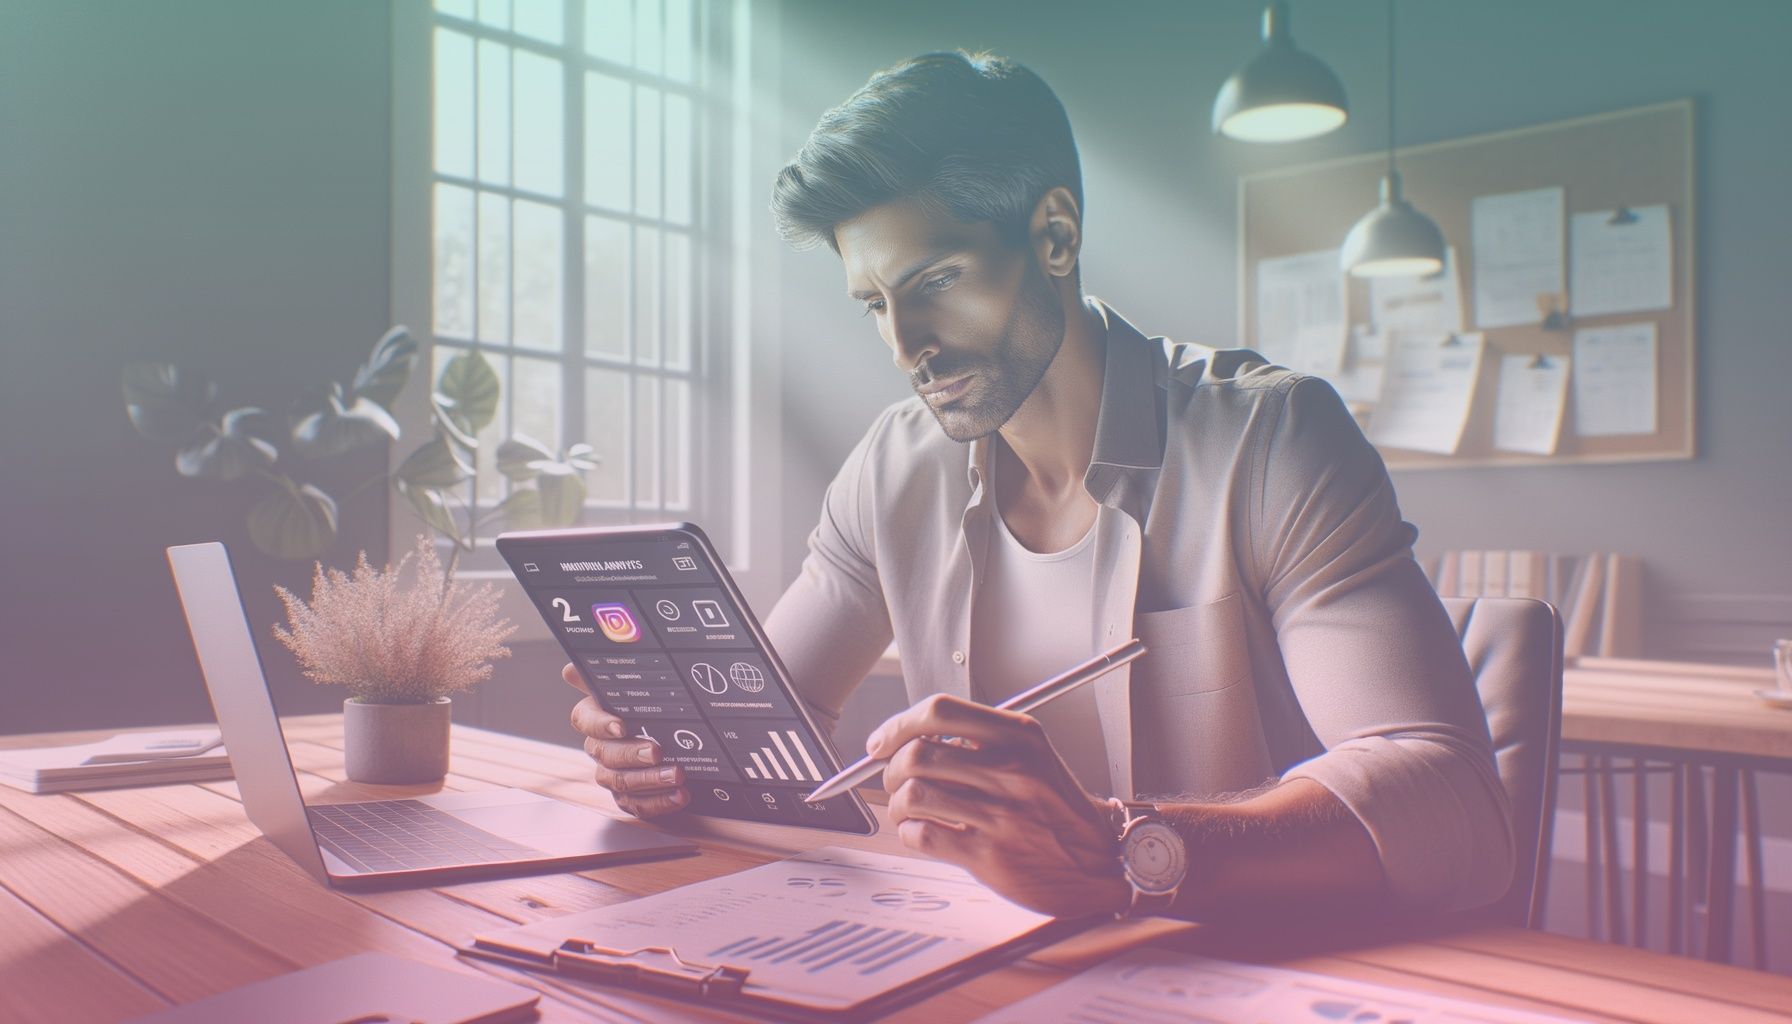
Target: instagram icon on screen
[616, 622]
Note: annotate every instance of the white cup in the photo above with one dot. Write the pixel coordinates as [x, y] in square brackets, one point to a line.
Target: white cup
[1782, 664]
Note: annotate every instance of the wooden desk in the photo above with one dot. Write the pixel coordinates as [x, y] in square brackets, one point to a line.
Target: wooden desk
[117, 903]
[1691, 717]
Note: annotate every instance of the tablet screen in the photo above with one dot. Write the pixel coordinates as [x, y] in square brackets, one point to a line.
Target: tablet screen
[656, 628]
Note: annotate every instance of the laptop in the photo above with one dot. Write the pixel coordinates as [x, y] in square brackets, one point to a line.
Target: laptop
[427, 839]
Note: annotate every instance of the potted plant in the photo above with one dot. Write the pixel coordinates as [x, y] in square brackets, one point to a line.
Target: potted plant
[401, 648]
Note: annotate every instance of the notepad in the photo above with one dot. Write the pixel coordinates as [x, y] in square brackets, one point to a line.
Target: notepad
[127, 759]
[829, 930]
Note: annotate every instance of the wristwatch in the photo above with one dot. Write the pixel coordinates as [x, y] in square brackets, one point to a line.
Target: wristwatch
[1155, 859]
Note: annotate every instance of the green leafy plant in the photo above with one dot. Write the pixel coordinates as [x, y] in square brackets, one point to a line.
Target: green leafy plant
[295, 518]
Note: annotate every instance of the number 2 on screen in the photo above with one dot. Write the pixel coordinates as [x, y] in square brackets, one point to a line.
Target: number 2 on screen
[565, 607]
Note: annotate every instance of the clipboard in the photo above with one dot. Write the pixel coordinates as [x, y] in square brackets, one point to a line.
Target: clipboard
[752, 974]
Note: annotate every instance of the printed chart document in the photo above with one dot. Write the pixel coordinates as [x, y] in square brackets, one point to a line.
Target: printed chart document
[1533, 394]
[1432, 303]
[1614, 380]
[1518, 255]
[1300, 309]
[1427, 390]
[1621, 263]
[1159, 986]
[826, 930]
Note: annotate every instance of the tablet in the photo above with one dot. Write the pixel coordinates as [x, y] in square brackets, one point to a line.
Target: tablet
[665, 642]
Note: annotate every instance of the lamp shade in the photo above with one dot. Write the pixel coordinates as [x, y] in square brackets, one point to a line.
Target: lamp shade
[1283, 94]
[1393, 240]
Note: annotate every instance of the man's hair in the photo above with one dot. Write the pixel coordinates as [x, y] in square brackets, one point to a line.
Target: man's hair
[978, 136]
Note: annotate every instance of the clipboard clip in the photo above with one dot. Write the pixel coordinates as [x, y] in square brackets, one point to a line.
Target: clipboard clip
[1621, 216]
[1541, 362]
[653, 967]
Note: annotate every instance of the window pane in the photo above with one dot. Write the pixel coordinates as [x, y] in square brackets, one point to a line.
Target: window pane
[606, 431]
[540, 96]
[485, 459]
[647, 35]
[647, 440]
[607, 29]
[458, 8]
[496, 13]
[606, 287]
[680, 39]
[454, 103]
[606, 141]
[541, 19]
[535, 300]
[679, 292]
[535, 400]
[494, 268]
[647, 151]
[678, 158]
[647, 295]
[452, 276]
[494, 112]
[678, 447]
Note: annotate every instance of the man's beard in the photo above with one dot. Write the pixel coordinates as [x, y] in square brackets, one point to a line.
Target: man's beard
[1001, 381]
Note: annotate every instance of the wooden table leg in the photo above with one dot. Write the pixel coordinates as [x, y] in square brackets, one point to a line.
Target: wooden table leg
[1720, 892]
[1614, 878]
[1639, 856]
[1677, 860]
[1590, 804]
[1757, 886]
[1697, 847]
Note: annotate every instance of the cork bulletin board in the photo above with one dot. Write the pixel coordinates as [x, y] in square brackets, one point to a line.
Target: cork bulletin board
[1621, 161]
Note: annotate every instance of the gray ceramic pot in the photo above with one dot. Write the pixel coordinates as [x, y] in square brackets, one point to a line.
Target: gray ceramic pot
[395, 744]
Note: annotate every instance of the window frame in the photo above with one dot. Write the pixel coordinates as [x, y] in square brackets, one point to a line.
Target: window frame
[734, 466]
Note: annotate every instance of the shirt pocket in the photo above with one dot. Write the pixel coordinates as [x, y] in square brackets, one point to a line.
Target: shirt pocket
[1197, 649]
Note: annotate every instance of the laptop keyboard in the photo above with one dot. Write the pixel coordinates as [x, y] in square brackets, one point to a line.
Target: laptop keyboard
[401, 835]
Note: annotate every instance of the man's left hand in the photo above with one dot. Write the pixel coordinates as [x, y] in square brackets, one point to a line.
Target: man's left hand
[998, 801]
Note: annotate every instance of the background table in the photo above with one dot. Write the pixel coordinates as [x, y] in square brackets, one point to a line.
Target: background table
[1694, 722]
[117, 903]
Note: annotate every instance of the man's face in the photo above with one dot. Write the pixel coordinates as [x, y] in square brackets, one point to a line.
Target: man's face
[972, 320]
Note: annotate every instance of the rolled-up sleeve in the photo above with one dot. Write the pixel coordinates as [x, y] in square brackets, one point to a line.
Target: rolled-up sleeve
[832, 623]
[1374, 661]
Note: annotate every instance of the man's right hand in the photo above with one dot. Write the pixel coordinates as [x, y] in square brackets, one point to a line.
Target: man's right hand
[627, 766]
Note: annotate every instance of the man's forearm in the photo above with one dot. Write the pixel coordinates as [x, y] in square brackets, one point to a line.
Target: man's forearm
[1295, 846]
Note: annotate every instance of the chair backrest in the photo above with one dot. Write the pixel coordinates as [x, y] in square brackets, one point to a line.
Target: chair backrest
[1514, 649]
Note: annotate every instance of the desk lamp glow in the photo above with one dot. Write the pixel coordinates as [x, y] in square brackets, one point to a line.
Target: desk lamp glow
[1394, 239]
[1283, 94]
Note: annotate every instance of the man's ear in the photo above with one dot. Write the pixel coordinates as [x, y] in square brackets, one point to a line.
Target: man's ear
[1056, 232]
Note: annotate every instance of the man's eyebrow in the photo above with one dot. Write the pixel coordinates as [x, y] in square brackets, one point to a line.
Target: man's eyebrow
[902, 279]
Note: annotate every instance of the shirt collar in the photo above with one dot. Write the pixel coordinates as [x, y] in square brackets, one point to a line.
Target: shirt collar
[1126, 430]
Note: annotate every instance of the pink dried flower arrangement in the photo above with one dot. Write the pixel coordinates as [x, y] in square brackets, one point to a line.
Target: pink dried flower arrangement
[392, 644]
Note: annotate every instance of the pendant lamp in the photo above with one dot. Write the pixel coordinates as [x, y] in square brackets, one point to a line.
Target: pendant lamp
[1283, 94]
[1394, 239]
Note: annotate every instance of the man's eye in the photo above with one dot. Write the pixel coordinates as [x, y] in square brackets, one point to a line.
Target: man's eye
[941, 283]
[874, 306]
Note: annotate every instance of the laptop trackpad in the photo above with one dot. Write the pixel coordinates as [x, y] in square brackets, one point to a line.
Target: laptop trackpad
[519, 822]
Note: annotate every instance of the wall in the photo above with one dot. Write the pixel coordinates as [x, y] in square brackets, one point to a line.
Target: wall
[201, 182]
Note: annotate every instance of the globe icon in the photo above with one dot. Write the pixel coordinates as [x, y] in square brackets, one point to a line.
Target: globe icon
[747, 677]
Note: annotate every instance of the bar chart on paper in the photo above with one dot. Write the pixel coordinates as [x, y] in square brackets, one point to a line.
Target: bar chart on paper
[837, 945]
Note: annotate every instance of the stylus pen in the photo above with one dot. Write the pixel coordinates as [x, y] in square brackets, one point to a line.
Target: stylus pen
[861, 771]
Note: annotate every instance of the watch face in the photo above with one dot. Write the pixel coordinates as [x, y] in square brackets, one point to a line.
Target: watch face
[1155, 856]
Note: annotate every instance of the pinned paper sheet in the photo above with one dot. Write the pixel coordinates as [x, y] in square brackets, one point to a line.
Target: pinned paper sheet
[1358, 381]
[1426, 392]
[1533, 394]
[1518, 256]
[1614, 380]
[1300, 306]
[1432, 303]
[1621, 261]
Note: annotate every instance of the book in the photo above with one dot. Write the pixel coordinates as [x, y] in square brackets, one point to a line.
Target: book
[1621, 614]
[127, 759]
[1493, 574]
[1582, 604]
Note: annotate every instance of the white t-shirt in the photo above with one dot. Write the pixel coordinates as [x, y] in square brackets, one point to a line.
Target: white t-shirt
[1035, 618]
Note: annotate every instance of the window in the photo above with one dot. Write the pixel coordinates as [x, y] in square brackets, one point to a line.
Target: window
[579, 231]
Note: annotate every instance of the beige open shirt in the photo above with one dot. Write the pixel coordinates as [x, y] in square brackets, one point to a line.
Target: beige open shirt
[1250, 536]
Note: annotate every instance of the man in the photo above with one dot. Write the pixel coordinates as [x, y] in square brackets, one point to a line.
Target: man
[1059, 483]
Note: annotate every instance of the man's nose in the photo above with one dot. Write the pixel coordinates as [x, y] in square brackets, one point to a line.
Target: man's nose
[911, 339]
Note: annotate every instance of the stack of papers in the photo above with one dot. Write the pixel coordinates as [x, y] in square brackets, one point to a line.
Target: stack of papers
[128, 759]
